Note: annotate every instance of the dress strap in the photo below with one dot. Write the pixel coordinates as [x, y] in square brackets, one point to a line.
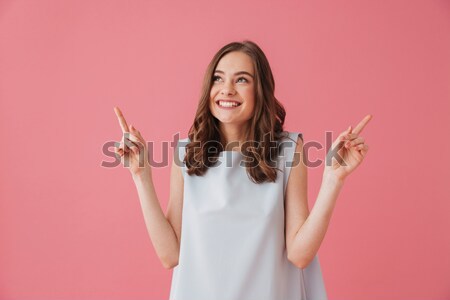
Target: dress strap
[288, 146]
[180, 152]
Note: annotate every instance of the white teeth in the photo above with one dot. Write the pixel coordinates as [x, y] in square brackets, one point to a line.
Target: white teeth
[228, 104]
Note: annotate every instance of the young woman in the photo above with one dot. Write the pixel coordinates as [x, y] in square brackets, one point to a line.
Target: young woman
[238, 225]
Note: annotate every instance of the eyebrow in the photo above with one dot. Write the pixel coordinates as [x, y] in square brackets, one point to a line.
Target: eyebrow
[237, 73]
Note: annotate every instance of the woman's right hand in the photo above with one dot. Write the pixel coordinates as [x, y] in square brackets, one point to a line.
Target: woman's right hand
[132, 149]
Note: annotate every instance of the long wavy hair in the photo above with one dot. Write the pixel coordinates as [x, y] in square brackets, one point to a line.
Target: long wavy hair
[262, 141]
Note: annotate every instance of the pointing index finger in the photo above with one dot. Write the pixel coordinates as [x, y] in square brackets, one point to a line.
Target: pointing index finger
[122, 122]
[362, 124]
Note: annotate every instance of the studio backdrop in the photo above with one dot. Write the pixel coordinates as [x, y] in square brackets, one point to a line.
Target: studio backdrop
[71, 227]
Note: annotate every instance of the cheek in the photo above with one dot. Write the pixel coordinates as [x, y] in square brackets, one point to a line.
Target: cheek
[249, 94]
[213, 89]
[212, 94]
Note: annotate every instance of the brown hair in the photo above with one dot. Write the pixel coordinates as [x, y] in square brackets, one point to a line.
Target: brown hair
[265, 126]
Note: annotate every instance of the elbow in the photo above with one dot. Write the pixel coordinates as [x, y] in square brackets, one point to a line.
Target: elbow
[169, 259]
[299, 264]
[169, 263]
[299, 261]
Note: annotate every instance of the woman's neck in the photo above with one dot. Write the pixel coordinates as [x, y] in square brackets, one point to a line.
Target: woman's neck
[233, 137]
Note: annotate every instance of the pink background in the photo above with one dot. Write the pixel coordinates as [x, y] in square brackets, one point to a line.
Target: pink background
[72, 229]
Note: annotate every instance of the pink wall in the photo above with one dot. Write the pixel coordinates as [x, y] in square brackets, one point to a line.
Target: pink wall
[71, 229]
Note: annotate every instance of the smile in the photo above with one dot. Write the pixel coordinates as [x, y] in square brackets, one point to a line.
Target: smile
[227, 104]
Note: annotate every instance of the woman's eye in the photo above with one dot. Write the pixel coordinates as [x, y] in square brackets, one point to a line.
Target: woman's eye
[215, 78]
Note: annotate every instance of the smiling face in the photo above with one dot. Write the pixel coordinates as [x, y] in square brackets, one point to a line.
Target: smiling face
[233, 79]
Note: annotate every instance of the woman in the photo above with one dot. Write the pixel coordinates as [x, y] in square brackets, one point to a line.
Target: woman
[238, 225]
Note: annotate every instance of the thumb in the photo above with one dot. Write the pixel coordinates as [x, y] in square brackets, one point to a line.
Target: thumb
[349, 130]
[340, 136]
[339, 140]
[137, 134]
[134, 130]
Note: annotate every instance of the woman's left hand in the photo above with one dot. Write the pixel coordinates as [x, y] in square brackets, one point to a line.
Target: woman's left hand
[347, 152]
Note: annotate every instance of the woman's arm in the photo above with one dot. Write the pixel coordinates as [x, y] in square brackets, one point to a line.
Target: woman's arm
[305, 231]
[307, 240]
[165, 233]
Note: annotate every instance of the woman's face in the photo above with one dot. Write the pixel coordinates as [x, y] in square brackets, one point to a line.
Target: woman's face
[233, 80]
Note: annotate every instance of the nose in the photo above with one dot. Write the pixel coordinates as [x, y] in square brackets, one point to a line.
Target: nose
[228, 89]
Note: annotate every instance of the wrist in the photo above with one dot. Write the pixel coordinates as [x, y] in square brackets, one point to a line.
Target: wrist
[332, 179]
[142, 175]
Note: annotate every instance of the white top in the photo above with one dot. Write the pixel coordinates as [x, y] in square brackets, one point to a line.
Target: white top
[232, 236]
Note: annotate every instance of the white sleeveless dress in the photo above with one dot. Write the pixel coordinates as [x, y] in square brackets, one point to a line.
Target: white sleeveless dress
[232, 236]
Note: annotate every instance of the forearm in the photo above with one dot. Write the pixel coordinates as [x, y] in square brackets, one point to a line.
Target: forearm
[309, 237]
[161, 233]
